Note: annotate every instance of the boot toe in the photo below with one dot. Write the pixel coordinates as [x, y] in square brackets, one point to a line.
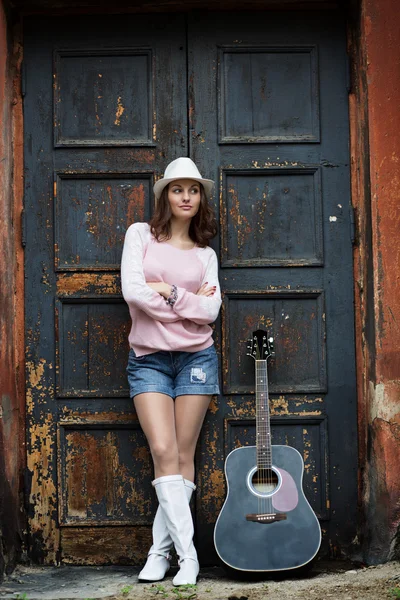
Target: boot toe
[155, 568]
[187, 574]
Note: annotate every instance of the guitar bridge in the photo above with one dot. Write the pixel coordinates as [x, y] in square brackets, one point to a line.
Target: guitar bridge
[266, 517]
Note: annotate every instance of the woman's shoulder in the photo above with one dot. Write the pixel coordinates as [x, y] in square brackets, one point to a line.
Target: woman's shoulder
[206, 251]
[141, 229]
[206, 254]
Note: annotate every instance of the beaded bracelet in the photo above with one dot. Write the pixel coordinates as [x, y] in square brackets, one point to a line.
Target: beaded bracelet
[173, 297]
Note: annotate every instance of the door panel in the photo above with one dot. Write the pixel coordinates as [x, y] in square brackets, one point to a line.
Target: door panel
[269, 123]
[108, 102]
[105, 109]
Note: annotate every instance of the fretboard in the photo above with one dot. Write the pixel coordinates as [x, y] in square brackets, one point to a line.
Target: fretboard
[263, 429]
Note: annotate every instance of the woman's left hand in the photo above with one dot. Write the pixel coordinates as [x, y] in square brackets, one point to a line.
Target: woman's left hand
[162, 288]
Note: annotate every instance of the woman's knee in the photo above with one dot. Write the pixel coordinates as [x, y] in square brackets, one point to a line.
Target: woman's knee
[164, 452]
[186, 458]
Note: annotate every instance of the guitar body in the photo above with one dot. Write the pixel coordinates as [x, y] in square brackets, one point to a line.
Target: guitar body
[266, 546]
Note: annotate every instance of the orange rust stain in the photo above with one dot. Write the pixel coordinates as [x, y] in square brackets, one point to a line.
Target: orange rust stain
[246, 408]
[279, 406]
[37, 390]
[75, 464]
[136, 205]
[82, 417]
[143, 156]
[223, 221]
[253, 322]
[79, 283]
[213, 493]
[213, 408]
[120, 112]
[211, 478]
[154, 126]
[35, 373]
[240, 222]
[56, 256]
[95, 474]
[95, 545]
[308, 401]
[43, 493]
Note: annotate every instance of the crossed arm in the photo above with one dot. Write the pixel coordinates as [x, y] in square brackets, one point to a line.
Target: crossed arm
[202, 307]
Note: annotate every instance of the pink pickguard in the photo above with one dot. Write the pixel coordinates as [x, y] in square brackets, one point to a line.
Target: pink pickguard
[287, 497]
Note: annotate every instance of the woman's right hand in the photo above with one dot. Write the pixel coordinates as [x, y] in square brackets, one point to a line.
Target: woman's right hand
[206, 290]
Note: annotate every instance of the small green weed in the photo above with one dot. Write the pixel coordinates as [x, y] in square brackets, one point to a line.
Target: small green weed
[21, 596]
[185, 592]
[394, 592]
[125, 590]
[160, 589]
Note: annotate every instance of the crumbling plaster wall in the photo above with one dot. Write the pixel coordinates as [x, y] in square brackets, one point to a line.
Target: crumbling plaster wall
[375, 153]
[11, 296]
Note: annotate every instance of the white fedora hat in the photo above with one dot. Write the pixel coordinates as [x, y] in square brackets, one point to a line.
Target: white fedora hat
[182, 168]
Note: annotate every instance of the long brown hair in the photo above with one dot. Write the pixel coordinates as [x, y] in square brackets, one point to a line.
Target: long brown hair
[203, 226]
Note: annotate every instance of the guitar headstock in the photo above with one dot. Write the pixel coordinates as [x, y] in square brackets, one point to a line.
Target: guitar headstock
[260, 346]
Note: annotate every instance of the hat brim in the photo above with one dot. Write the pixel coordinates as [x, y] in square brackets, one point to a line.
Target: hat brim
[208, 185]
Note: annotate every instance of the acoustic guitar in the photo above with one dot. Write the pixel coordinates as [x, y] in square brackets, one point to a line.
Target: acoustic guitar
[266, 523]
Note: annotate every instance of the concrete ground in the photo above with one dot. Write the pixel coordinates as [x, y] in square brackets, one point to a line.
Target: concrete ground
[326, 580]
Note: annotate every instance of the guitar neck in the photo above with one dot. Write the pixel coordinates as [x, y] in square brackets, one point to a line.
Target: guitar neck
[263, 428]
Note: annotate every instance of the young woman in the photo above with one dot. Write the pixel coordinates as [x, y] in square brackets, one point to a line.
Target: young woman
[169, 280]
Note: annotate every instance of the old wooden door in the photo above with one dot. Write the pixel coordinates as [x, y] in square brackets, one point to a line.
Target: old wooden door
[269, 122]
[108, 100]
[105, 108]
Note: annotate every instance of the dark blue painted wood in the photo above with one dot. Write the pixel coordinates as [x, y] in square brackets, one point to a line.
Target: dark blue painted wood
[105, 110]
[267, 115]
[249, 546]
[269, 122]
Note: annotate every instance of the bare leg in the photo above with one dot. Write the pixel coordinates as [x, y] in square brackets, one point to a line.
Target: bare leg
[157, 419]
[190, 411]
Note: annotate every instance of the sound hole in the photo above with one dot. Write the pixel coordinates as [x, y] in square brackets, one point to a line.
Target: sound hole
[264, 481]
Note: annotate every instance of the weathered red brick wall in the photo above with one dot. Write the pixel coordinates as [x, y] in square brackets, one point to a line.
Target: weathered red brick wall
[11, 298]
[375, 133]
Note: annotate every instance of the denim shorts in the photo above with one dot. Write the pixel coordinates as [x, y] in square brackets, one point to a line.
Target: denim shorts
[174, 373]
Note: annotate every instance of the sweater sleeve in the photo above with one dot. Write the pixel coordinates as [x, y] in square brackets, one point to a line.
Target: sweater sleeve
[201, 309]
[134, 288]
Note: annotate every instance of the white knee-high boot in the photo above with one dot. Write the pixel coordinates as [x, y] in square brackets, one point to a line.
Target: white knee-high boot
[157, 564]
[171, 495]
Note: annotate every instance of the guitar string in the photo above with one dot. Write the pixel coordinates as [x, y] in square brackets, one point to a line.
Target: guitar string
[260, 440]
[265, 474]
[259, 500]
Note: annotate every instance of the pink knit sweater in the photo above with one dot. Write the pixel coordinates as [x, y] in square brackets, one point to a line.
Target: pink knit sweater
[155, 324]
